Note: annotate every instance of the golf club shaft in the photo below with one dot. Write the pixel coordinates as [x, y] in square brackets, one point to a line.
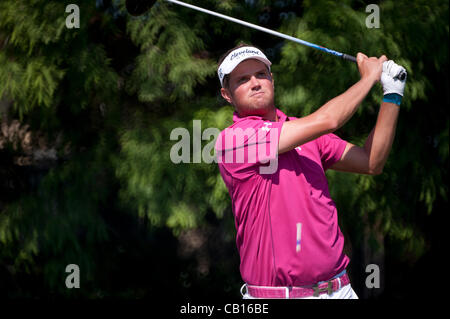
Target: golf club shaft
[256, 27]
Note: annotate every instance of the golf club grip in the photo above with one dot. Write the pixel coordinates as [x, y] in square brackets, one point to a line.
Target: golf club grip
[348, 57]
[401, 76]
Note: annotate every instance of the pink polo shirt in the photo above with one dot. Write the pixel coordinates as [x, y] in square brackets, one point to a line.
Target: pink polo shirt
[268, 207]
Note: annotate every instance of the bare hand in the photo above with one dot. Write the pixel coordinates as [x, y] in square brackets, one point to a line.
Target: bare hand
[370, 67]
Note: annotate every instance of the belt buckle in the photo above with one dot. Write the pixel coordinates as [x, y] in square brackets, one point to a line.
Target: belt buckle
[328, 289]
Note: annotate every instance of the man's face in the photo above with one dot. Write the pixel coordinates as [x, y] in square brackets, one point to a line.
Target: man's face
[251, 89]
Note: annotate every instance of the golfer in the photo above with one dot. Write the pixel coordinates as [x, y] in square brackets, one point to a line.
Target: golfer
[274, 165]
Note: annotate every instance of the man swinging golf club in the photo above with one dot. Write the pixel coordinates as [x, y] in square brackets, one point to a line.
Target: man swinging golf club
[288, 237]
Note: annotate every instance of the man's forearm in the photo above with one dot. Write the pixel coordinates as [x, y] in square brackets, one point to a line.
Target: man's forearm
[334, 113]
[326, 119]
[342, 107]
[379, 142]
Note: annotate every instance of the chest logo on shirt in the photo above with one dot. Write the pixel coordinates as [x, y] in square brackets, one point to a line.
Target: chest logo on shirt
[266, 127]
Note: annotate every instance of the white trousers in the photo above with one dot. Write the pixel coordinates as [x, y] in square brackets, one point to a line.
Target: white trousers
[345, 292]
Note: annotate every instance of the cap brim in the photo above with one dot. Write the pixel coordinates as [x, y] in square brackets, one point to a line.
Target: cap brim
[233, 65]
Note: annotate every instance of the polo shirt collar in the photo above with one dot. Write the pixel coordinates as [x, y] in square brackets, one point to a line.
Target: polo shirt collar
[281, 117]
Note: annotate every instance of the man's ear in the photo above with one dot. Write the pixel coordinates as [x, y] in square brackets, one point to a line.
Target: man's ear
[226, 95]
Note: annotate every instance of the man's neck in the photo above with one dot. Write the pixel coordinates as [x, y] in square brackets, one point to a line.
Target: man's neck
[271, 116]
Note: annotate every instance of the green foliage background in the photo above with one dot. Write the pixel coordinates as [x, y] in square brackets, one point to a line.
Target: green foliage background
[105, 98]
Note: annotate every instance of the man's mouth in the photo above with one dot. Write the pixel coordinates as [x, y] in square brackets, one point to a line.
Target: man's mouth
[257, 93]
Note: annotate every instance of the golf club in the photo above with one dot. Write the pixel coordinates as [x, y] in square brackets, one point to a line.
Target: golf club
[139, 7]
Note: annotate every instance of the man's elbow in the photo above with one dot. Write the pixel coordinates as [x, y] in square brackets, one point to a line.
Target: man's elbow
[375, 171]
[329, 123]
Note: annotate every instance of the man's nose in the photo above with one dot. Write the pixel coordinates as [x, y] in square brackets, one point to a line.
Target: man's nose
[254, 82]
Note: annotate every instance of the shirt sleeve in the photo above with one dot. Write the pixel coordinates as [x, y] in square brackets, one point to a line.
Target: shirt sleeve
[247, 145]
[331, 148]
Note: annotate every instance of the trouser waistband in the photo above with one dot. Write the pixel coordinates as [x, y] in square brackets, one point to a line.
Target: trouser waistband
[328, 287]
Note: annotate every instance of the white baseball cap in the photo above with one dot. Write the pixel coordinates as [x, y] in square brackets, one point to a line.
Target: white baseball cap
[237, 56]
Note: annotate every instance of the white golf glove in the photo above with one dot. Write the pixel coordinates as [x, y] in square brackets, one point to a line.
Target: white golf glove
[390, 78]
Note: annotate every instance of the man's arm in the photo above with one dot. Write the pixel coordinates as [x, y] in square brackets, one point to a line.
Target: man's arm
[334, 113]
[371, 158]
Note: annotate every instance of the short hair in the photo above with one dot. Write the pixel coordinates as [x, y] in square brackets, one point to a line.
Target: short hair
[226, 78]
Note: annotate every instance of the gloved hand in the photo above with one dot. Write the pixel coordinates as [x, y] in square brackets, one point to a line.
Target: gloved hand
[390, 78]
